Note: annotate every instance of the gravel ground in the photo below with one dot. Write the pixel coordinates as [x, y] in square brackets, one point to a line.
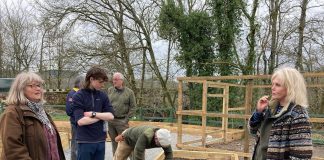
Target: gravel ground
[150, 153]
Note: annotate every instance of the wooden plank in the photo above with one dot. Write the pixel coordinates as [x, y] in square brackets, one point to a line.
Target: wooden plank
[215, 95]
[236, 109]
[200, 155]
[215, 78]
[204, 111]
[180, 105]
[248, 103]
[239, 116]
[199, 113]
[316, 120]
[222, 85]
[193, 81]
[225, 111]
[190, 112]
[240, 154]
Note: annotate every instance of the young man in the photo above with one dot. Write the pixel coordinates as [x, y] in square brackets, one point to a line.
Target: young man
[77, 84]
[91, 107]
[137, 139]
[123, 101]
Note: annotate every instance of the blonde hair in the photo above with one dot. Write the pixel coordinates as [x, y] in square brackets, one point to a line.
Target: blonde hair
[16, 94]
[295, 84]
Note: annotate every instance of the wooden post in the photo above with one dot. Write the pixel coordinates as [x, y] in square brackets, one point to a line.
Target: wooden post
[248, 103]
[204, 111]
[225, 112]
[179, 114]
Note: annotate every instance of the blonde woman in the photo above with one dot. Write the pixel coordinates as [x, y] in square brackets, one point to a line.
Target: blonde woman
[27, 131]
[281, 123]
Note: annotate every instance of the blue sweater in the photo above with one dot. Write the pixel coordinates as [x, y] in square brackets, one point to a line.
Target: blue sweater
[68, 105]
[86, 100]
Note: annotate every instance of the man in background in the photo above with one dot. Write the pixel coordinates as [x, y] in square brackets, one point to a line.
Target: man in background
[77, 84]
[123, 101]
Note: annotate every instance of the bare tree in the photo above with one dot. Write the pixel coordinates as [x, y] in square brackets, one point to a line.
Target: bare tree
[302, 21]
[250, 60]
[18, 33]
[143, 25]
[274, 13]
[108, 17]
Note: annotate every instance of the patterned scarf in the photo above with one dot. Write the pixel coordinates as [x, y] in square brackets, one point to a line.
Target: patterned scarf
[38, 109]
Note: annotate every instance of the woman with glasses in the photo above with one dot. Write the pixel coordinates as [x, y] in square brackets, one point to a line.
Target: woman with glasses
[27, 131]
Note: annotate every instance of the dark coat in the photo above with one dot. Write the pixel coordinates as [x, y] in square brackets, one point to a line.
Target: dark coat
[31, 146]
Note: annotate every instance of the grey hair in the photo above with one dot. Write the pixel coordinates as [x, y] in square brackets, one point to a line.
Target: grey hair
[16, 94]
[78, 81]
[121, 76]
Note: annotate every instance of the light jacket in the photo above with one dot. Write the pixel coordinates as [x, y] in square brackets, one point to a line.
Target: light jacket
[13, 131]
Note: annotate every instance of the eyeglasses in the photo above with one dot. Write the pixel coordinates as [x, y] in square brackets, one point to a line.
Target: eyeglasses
[34, 86]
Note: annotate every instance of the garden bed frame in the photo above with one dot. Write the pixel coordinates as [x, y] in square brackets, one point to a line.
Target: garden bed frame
[200, 155]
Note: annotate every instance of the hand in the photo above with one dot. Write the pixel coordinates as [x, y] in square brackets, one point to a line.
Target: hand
[119, 138]
[263, 102]
[87, 114]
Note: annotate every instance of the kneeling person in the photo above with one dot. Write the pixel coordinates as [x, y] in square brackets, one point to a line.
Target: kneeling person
[137, 139]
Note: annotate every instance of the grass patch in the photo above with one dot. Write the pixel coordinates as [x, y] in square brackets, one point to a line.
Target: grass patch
[60, 117]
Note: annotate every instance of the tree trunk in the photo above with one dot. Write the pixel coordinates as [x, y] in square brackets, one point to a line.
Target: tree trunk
[41, 54]
[251, 58]
[124, 51]
[274, 8]
[142, 77]
[299, 56]
[147, 38]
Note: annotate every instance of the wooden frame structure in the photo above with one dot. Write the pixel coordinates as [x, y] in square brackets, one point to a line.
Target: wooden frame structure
[214, 82]
[200, 155]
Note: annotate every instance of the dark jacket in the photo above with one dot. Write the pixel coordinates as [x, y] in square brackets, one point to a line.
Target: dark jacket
[86, 100]
[141, 138]
[34, 146]
[283, 135]
[68, 104]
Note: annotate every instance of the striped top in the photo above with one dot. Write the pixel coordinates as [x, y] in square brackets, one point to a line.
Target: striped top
[286, 135]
